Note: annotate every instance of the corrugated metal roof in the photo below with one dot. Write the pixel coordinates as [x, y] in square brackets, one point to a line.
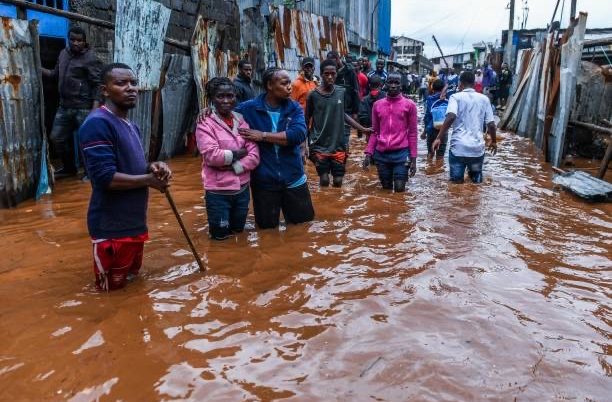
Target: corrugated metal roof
[20, 126]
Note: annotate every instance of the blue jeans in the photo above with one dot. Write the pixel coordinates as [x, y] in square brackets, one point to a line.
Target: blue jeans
[458, 164]
[391, 166]
[226, 213]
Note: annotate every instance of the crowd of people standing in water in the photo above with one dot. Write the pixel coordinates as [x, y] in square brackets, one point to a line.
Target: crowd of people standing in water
[257, 148]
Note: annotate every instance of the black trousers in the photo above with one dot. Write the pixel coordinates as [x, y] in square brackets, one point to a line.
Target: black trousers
[295, 203]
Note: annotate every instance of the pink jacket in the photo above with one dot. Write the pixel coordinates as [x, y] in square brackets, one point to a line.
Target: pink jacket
[216, 141]
[394, 125]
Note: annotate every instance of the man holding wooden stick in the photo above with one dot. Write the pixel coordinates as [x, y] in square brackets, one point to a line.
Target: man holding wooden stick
[120, 178]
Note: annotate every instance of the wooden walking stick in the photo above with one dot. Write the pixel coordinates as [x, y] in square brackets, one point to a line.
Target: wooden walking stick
[180, 221]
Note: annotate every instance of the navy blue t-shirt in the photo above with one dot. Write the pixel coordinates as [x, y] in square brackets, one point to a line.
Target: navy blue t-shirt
[110, 144]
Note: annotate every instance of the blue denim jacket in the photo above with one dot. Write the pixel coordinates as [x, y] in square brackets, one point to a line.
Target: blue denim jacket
[278, 168]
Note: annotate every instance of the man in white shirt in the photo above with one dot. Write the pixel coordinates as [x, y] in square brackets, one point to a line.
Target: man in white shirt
[467, 112]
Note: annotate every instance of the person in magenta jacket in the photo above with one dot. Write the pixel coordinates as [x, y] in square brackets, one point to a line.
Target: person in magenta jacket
[227, 162]
[393, 142]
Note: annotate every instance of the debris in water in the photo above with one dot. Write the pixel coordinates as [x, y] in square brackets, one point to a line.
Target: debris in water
[94, 393]
[584, 185]
[61, 331]
[70, 303]
[93, 342]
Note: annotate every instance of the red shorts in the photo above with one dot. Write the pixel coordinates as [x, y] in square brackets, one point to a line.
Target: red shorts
[115, 259]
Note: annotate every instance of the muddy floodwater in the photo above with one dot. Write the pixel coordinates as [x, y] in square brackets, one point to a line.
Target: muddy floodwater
[444, 293]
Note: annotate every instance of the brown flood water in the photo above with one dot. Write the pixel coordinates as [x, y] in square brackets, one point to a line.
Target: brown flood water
[445, 293]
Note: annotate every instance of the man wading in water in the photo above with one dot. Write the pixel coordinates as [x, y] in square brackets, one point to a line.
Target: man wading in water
[120, 178]
[467, 111]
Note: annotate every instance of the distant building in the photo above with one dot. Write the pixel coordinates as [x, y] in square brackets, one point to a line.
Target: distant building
[470, 60]
[458, 61]
[406, 51]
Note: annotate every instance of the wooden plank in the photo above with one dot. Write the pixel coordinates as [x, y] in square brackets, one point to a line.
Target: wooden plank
[592, 127]
[605, 162]
[516, 97]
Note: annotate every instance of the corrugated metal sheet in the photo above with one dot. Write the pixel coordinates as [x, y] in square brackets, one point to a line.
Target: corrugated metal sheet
[360, 16]
[571, 56]
[177, 95]
[255, 39]
[210, 56]
[20, 125]
[585, 185]
[140, 29]
[299, 34]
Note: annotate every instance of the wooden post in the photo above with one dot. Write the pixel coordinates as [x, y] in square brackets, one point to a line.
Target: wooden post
[573, 10]
[606, 160]
[510, 38]
[440, 50]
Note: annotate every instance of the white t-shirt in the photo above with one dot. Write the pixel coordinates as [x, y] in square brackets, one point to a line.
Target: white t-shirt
[473, 110]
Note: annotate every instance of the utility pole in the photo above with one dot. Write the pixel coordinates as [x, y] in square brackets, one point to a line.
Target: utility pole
[510, 38]
[573, 9]
[440, 50]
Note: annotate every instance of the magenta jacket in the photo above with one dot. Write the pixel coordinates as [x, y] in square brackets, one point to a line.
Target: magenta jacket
[394, 125]
[216, 141]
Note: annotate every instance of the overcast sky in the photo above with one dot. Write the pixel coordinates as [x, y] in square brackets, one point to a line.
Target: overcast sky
[463, 22]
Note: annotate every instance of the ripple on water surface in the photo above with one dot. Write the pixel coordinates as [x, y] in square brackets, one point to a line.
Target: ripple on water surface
[498, 291]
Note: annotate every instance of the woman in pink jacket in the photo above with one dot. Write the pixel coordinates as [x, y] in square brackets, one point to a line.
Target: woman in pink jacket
[227, 161]
[393, 141]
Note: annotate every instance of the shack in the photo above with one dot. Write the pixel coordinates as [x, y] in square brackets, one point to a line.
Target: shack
[203, 39]
[562, 98]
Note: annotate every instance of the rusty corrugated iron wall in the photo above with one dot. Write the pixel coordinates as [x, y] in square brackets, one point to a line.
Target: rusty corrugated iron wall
[21, 134]
[299, 34]
[361, 17]
[287, 36]
[211, 55]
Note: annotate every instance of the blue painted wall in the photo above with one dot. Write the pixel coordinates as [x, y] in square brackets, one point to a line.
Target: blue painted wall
[48, 25]
[384, 26]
